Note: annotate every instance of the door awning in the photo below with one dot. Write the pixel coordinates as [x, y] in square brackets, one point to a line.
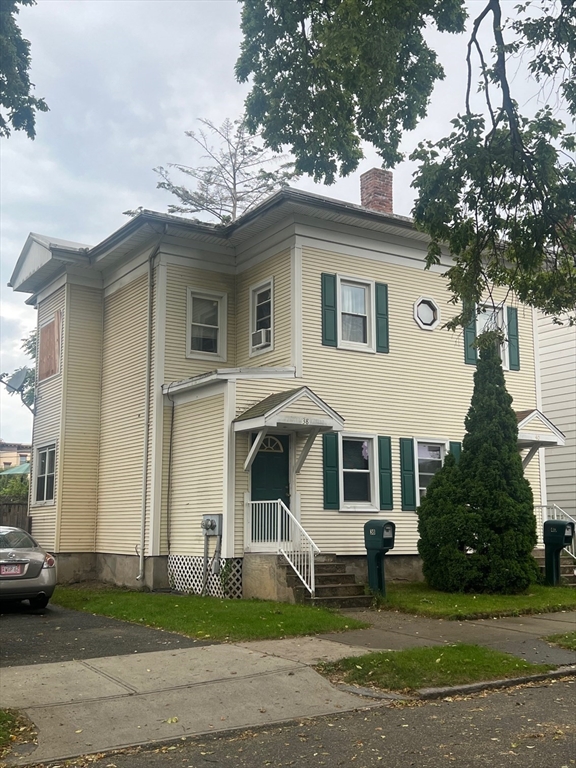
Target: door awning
[297, 410]
[536, 431]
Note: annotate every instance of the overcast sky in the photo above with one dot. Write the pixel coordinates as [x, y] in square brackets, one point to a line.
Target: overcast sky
[124, 79]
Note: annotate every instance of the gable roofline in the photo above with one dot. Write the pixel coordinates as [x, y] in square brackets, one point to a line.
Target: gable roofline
[148, 225]
[526, 417]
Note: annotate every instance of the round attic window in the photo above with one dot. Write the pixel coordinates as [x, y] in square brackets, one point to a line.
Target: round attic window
[426, 313]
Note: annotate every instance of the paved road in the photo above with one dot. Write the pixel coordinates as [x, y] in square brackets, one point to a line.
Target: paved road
[57, 634]
[527, 727]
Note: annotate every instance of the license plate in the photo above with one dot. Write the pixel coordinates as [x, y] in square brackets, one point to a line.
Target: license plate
[10, 570]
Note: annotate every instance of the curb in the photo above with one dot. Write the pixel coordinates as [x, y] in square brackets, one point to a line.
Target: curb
[424, 694]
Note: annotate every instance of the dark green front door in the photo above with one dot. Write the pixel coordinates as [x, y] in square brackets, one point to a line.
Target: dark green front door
[270, 470]
[270, 482]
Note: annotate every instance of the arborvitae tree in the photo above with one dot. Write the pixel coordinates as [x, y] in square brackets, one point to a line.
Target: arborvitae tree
[477, 520]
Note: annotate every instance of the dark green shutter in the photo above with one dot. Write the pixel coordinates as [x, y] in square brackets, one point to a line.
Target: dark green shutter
[331, 479]
[470, 353]
[382, 343]
[385, 472]
[329, 311]
[513, 342]
[456, 450]
[407, 474]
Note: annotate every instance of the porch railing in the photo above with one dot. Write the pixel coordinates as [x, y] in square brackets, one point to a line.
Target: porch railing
[272, 523]
[545, 512]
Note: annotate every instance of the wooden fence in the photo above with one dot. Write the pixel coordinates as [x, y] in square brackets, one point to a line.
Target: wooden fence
[15, 513]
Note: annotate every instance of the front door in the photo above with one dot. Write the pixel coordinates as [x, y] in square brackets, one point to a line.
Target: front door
[270, 482]
[270, 470]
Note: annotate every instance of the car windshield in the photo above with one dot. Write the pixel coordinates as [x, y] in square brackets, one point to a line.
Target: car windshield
[16, 540]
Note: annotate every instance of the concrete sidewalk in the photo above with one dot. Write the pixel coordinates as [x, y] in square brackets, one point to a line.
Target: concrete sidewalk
[108, 703]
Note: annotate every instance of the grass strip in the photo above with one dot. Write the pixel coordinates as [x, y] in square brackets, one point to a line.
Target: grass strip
[419, 599]
[15, 728]
[205, 618]
[439, 666]
[565, 640]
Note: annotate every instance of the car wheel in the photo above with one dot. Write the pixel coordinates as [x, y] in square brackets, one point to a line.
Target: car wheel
[39, 602]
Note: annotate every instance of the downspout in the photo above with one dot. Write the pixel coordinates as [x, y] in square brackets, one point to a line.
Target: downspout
[147, 400]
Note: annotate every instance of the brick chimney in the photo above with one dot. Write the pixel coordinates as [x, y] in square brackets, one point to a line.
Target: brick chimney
[376, 190]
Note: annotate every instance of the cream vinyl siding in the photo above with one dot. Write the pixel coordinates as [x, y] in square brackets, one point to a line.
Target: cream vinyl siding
[278, 268]
[304, 406]
[179, 280]
[421, 389]
[46, 431]
[122, 419]
[197, 471]
[81, 420]
[557, 346]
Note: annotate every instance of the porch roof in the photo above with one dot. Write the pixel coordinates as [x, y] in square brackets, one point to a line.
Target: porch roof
[535, 430]
[296, 410]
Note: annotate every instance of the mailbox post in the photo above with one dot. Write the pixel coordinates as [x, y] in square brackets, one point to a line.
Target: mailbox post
[557, 535]
[378, 539]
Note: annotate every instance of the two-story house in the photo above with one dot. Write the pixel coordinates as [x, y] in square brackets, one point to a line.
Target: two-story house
[289, 371]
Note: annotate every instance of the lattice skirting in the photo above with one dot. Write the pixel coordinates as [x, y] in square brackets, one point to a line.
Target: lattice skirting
[185, 573]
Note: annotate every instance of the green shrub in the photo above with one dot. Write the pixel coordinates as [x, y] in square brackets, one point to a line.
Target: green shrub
[476, 522]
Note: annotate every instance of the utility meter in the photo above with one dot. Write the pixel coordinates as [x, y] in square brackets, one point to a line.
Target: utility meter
[211, 525]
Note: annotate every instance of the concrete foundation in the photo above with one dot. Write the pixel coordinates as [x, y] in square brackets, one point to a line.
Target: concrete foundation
[120, 570]
[264, 577]
[396, 567]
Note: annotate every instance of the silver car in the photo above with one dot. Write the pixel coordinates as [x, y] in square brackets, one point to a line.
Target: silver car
[27, 572]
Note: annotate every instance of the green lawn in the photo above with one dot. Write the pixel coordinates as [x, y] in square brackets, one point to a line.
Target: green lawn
[15, 728]
[418, 598]
[205, 617]
[566, 640]
[434, 667]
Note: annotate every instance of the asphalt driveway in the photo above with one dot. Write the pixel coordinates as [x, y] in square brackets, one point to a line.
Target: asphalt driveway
[57, 634]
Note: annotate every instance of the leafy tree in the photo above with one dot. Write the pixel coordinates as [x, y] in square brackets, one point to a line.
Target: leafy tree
[239, 174]
[500, 189]
[476, 522]
[17, 105]
[27, 389]
[14, 488]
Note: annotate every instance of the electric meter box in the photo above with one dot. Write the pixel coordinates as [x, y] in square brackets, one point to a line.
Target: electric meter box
[212, 525]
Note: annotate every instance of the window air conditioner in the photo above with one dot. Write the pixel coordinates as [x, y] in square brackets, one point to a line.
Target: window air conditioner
[261, 338]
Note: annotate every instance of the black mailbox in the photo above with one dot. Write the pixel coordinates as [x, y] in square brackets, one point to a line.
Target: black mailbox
[557, 535]
[378, 539]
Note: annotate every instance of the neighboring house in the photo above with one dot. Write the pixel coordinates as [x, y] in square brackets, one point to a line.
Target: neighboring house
[557, 355]
[295, 357]
[14, 454]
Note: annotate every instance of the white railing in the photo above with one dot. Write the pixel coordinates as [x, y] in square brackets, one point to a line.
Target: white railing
[545, 512]
[272, 523]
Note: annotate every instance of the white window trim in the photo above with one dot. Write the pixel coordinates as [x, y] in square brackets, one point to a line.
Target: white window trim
[435, 441]
[501, 310]
[370, 346]
[222, 299]
[43, 502]
[252, 296]
[372, 464]
[419, 322]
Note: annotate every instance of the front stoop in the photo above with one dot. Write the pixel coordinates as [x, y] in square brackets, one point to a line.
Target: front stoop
[567, 567]
[335, 588]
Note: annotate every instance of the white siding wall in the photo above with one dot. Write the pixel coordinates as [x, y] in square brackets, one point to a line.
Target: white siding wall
[48, 406]
[557, 345]
[81, 420]
[197, 471]
[122, 419]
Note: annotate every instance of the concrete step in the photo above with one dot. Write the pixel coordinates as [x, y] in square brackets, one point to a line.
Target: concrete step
[335, 578]
[356, 601]
[320, 567]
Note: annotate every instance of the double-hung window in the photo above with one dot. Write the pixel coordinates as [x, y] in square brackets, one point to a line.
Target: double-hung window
[45, 471]
[206, 325]
[492, 319]
[261, 317]
[358, 489]
[430, 459]
[356, 316]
